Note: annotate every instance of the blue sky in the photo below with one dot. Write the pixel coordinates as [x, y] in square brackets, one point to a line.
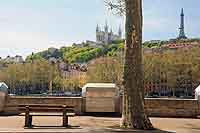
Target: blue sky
[33, 25]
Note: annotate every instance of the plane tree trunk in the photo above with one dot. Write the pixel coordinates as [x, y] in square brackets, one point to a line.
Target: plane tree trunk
[133, 115]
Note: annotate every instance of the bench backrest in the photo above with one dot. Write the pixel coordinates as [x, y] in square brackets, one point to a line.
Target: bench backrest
[45, 108]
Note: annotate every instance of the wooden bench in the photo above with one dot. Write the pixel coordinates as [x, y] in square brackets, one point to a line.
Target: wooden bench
[39, 110]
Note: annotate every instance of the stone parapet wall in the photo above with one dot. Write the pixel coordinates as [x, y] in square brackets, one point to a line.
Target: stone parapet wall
[71, 101]
[164, 107]
[161, 107]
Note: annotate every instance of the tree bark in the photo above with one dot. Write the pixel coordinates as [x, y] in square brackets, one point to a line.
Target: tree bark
[134, 115]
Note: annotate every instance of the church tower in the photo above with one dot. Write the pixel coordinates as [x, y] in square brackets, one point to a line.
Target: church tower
[97, 28]
[120, 31]
[182, 27]
[106, 34]
[106, 27]
[98, 37]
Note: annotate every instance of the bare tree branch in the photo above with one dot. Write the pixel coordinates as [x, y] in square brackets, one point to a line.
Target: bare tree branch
[117, 6]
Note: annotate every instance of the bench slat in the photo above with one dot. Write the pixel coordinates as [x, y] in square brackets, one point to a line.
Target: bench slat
[44, 105]
[31, 109]
[46, 108]
[49, 114]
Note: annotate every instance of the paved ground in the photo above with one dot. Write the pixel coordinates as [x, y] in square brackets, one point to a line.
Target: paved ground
[95, 124]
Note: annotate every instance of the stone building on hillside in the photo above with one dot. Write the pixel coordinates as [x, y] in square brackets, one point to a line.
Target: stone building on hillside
[73, 71]
[164, 83]
[15, 59]
[105, 36]
[181, 45]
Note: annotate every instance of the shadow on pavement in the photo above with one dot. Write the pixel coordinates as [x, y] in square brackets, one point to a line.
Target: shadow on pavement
[54, 127]
[6, 114]
[100, 114]
[118, 130]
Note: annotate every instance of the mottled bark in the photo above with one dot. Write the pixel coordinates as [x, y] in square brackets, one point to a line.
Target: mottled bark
[133, 115]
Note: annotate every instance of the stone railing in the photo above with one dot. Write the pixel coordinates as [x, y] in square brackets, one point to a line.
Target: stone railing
[16, 100]
[164, 107]
[160, 107]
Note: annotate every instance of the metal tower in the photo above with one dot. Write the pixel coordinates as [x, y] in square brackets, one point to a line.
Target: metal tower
[182, 31]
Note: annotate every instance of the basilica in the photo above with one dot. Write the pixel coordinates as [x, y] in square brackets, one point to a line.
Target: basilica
[105, 36]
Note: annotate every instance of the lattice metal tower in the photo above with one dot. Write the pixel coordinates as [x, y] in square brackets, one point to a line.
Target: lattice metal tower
[182, 30]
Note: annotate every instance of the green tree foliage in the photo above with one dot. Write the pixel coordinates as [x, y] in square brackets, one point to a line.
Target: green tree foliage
[114, 49]
[35, 76]
[30, 77]
[83, 54]
[171, 64]
[51, 52]
[105, 70]
[75, 54]
[151, 45]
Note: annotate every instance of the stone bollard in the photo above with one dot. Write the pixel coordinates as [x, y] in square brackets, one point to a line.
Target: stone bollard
[197, 93]
[197, 96]
[3, 95]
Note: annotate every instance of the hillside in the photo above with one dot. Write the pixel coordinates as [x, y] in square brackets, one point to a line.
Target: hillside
[74, 54]
[85, 53]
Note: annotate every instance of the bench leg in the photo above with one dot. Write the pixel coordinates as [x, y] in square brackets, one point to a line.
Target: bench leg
[65, 121]
[65, 117]
[28, 118]
[28, 121]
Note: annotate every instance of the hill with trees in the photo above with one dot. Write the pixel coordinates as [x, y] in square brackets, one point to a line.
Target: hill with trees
[85, 53]
[75, 54]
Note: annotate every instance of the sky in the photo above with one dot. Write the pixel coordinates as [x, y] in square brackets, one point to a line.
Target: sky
[28, 26]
